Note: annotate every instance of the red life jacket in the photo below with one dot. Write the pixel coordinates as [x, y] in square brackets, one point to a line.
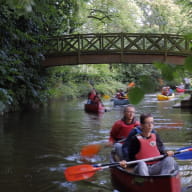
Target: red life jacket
[148, 148]
[120, 130]
[91, 96]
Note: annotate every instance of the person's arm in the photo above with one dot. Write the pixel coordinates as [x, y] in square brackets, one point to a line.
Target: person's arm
[126, 144]
[114, 132]
[161, 147]
[134, 148]
[160, 144]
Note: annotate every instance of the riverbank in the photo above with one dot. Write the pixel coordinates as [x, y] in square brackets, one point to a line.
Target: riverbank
[67, 91]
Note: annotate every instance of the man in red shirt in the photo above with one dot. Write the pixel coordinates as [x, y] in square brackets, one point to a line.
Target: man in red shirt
[121, 129]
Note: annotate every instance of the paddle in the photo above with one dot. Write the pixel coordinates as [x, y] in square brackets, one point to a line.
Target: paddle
[93, 149]
[85, 171]
[106, 97]
[90, 150]
[184, 156]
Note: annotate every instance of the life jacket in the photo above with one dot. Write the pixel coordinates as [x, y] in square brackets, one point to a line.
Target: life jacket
[123, 130]
[120, 95]
[91, 96]
[148, 148]
[96, 99]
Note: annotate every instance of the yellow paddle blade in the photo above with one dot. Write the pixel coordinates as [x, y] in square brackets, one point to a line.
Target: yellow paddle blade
[106, 96]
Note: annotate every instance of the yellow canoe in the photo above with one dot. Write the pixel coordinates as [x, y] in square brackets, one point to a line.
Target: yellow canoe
[164, 97]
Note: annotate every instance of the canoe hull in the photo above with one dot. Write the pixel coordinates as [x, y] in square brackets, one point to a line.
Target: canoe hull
[129, 182]
[179, 90]
[164, 98]
[94, 108]
[120, 101]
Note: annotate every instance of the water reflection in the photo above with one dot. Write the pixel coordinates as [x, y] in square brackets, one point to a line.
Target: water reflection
[37, 147]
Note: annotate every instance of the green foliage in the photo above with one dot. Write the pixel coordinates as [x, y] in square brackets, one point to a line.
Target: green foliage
[147, 84]
[68, 91]
[169, 71]
[97, 76]
[154, 16]
[136, 95]
[5, 96]
[25, 24]
[22, 80]
[110, 87]
[188, 64]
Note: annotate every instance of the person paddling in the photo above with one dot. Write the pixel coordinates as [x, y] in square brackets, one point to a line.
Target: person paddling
[121, 129]
[147, 144]
[91, 96]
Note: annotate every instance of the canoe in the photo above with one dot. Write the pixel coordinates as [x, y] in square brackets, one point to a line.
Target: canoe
[120, 101]
[179, 90]
[126, 181]
[164, 98]
[94, 108]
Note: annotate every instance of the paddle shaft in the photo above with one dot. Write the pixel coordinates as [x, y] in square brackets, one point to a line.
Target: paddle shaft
[182, 151]
[88, 170]
[93, 149]
[106, 165]
[80, 172]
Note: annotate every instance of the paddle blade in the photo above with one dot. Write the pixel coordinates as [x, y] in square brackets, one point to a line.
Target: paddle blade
[106, 96]
[80, 172]
[184, 155]
[132, 84]
[90, 150]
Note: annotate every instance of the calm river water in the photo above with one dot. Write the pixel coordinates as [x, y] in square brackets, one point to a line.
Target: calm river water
[36, 147]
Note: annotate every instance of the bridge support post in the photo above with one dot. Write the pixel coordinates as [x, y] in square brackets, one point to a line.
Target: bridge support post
[79, 49]
[122, 48]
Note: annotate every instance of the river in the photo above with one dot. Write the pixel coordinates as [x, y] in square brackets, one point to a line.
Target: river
[36, 147]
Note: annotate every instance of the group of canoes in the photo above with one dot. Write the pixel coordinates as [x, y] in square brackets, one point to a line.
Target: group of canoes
[121, 98]
[95, 105]
[126, 180]
[167, 93]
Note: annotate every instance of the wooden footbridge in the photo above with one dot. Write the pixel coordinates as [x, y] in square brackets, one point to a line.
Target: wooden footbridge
[110, 48]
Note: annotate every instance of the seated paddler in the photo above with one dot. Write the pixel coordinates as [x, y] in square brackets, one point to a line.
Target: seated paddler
[147, 145]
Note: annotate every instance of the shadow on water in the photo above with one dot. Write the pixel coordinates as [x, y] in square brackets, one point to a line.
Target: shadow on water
[37, 147]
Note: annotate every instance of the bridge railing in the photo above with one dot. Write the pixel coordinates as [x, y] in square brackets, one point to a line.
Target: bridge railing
[118, 43]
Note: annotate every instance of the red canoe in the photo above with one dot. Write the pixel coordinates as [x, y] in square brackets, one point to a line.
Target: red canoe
[94, 108]
[125, 181]
[179, 90]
